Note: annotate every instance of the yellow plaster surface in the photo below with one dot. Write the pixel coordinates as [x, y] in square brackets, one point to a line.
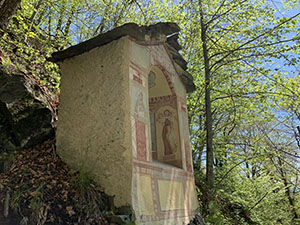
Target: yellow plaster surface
[184, 132]
[145, 198]
[94, 117]
[133, 130]
[192, 195]
[179, 87]
[171, 195]
[161, 86]
[140, 55]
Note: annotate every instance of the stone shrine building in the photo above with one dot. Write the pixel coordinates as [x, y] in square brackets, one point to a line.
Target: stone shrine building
[123, 116]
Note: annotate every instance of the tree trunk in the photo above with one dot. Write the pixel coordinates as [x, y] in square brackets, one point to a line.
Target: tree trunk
[7, 10]
[287, 190]
[60, 20]
[69, 22]
[208, 114]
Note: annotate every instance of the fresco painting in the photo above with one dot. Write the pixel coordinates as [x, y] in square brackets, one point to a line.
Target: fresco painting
[153, 133]
[167, 119]
[133, 138]
[139, 103]
[140, 106]
[163, 176]
[137, 76]
[141, 143]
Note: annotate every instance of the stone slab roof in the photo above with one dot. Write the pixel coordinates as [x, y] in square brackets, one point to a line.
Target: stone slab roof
[161, 32]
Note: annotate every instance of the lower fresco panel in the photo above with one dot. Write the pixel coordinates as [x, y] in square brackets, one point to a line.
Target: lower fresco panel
[145, 199]
[171, 195]
[163, 195]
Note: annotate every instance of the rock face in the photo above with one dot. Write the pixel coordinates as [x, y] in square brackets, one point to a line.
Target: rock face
[197, 221]
[25, 114]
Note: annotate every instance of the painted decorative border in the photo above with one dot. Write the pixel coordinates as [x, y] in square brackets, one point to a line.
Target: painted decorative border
[158, 172]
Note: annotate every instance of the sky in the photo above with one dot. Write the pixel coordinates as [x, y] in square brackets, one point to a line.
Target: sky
[291, 70]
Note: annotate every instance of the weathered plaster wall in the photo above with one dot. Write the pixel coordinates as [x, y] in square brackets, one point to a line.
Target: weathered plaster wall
[94, 117]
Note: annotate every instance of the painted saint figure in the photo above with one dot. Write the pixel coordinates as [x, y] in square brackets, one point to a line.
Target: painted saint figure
[168, 136]
[139, 104]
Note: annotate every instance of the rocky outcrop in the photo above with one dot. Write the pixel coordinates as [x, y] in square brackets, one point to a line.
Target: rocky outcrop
[25, 114]
[197, 221]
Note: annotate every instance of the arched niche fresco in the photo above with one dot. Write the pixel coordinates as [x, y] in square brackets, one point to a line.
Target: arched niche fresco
[165, 138]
